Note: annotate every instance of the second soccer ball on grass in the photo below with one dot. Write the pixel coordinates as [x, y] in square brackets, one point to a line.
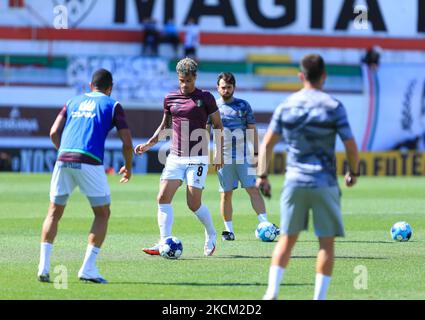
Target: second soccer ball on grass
[266, 231]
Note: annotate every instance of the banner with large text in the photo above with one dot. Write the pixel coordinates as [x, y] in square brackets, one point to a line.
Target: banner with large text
[371, 163]
[388, 18]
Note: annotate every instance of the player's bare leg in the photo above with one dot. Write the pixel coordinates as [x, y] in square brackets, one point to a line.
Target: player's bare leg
[194, 196]
[226, 211]
[257, 200]
[324, 267]
[280, 260]
[97, 235]
[283, 249]
[50, 224]
[167, 190]
[258, 205]
[48, 235]
[226, 207]
[100, 226]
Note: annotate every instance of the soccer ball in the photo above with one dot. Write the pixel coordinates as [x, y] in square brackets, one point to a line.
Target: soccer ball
[171, 248]
[266, 231]
[401, 231]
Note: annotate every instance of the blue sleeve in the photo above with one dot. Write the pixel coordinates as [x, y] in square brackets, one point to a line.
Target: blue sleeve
[342, 126]
[276, 123]
[250, 119]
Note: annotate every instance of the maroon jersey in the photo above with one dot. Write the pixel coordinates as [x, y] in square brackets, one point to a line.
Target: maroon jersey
[189, 113]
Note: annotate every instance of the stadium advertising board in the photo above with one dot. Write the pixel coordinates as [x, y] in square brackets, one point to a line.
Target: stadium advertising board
[35, 122]
[399, 19]
[371, 163]
[38, 160]
[26, 122]
[386, 164]
[42, 159]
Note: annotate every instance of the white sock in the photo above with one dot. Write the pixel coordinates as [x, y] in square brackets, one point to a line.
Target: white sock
[204, 216]
[262, 217]
[89, 263]
[321, 286]
[229, 226]
[165, 220]
[45, 251]
[275, 277]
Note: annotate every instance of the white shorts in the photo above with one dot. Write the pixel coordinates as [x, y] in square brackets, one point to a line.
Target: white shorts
[91, 179]
[192, 170]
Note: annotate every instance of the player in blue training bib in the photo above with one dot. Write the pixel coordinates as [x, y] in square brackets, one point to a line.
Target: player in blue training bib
[79, 133]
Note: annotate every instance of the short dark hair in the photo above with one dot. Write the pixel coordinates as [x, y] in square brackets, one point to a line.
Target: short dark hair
[228, 77]
[313, 67]
[102, 79]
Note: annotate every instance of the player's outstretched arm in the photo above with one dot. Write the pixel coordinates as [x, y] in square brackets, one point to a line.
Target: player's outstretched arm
[353, 162]
[265, 154]
[165, 124]
[127, 151]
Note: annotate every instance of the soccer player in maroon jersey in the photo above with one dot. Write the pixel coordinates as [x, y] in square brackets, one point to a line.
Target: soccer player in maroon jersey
[186, 111]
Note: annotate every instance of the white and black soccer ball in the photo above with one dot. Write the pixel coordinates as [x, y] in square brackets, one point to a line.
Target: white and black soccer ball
[171, 248]
[266, 231]
[401, 231]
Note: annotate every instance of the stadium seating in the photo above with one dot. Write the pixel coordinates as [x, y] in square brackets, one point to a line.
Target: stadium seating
[33, 70]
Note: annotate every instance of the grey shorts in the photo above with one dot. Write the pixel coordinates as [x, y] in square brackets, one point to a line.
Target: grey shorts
[296, 203]
[230, 175]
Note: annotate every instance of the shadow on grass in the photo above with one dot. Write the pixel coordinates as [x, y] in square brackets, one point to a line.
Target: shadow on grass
[352, 241]
[238, 256]
[341, 257]
[200, 284]
[363, 241]
[299, 257]
[363, 258]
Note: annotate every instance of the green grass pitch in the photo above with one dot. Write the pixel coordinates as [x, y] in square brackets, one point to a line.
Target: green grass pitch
[369, 265]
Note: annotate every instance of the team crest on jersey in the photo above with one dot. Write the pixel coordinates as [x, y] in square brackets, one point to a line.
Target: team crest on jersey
[199, 103]
[77, 9]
